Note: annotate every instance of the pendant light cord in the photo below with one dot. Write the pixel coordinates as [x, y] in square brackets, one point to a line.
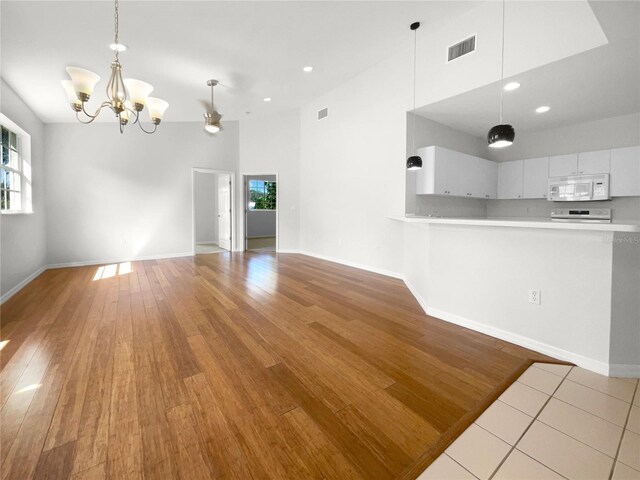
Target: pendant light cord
[413, 113]
[502, 64]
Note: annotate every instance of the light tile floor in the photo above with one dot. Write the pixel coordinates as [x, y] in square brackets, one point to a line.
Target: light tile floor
[554, 422]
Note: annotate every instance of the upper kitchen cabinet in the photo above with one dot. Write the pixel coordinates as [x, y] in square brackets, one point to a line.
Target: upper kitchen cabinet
[447, 172]
[563, 165]
[625, 172]
[593, 162]
[536, 177]
[510, 179]
[585, 163]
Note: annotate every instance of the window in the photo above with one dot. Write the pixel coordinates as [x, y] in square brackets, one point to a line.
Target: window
[15, 170]
[262, 195]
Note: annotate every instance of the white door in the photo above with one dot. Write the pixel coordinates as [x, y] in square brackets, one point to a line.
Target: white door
[593, 162]
[563, 165]
[224, 211]
[625, 172]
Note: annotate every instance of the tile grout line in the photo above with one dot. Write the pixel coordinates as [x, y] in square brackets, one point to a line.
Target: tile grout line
[465, 468]
[513, 447]
[595, 390]
[624, 429]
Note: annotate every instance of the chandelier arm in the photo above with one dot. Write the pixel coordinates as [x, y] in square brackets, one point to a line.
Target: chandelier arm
[95, 115]
[155, 127]
[137, 117]
[121, 125]
[91, 119]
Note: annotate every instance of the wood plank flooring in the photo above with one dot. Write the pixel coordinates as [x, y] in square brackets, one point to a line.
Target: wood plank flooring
[235, 366]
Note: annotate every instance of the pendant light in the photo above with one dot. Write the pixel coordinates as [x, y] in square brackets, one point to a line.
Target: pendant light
[414, 162]
[501, 135]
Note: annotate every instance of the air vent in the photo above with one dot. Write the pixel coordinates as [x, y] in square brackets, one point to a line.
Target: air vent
[462, 48]
[324, 113]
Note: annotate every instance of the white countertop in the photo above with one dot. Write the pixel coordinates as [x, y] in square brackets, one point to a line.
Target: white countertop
[523, 223]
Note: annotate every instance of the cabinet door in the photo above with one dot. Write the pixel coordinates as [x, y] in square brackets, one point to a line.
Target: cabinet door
[448, 167]
[593, 162]
[536, 177]
[625, 172]
[425, 177]
[510, 177]
[486, 179]
[563, 165]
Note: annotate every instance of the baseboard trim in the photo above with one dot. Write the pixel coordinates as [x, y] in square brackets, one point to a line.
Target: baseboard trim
[360, 266]
[622, 370]
[87, 263]
[6, 296]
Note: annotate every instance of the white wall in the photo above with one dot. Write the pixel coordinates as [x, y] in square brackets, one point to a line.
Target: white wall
[23, 240]
[480, 276]
[206, 207]
[272, 145]
[113, 196]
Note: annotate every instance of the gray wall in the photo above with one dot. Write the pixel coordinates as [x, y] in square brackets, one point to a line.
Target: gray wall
[261, 223]
[113, 196]
[206, 207]
[23, 249]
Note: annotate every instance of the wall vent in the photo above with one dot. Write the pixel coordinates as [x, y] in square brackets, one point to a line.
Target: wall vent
[462, 48]
[324, 113]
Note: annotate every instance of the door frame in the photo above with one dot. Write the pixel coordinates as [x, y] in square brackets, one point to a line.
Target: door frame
[243, 180]
[232, 174]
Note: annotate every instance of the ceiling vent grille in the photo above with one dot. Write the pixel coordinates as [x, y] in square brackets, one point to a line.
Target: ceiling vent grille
[461, 48]
[324, 113]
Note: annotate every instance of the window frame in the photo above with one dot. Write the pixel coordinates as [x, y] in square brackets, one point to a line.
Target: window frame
[23, 169]
[265, 182]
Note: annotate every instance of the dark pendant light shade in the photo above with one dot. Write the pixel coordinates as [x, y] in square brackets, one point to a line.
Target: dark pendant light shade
[501, 136]
[414, 163]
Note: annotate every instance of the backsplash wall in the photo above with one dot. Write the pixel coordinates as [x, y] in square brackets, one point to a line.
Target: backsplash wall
[445, 206]
[623, 208]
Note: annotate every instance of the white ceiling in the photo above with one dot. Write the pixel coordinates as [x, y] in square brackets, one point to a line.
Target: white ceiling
[256, 49]
[600, 83]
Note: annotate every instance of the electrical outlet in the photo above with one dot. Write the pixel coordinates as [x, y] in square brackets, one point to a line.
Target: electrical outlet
[534, 296]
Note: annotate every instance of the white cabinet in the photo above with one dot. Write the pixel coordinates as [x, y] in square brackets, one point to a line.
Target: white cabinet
[593, 162]
[536, 177]
[625, 172]
[585, 163]
[563, 165]
[447, 172]
[510, 179]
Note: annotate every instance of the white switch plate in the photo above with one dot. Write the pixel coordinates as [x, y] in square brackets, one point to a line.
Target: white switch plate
[534, 296]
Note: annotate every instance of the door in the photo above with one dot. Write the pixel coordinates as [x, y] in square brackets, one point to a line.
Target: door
[510, 178]
[224, 211]
[563, 165]
[625, 172]
[536, 177]
[593, 162]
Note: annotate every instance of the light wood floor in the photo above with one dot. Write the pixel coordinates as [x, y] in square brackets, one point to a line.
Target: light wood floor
[235, 366]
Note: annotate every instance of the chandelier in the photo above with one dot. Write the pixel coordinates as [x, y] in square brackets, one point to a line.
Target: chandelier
[126, 98]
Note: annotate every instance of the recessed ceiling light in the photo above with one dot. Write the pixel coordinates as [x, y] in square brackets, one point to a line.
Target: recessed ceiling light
[307, 69]
[118, 47]
[511, 86]
[268, 99]
[542, 109]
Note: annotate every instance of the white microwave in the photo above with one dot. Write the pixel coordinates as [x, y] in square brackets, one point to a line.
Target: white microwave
[579, 188]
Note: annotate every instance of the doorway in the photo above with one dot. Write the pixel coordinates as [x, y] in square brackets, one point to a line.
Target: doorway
[212, 211]
[261, 212]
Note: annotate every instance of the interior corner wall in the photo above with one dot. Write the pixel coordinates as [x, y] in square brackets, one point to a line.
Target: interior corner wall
[23, 240]
[353, 168]
[272, 145]
[112, 197]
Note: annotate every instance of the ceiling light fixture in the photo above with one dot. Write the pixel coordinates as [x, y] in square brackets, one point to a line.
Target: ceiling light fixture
[268, 99]
[414, 162]
[118, 47]
[307, 69]
[511, 86]
[126, 98]
[212, 117]
[501, 135]
[543, 109]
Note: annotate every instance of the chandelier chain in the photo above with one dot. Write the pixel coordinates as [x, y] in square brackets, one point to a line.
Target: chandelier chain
[116, 28]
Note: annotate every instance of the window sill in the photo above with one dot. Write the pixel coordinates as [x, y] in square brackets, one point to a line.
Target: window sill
[18, 212]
